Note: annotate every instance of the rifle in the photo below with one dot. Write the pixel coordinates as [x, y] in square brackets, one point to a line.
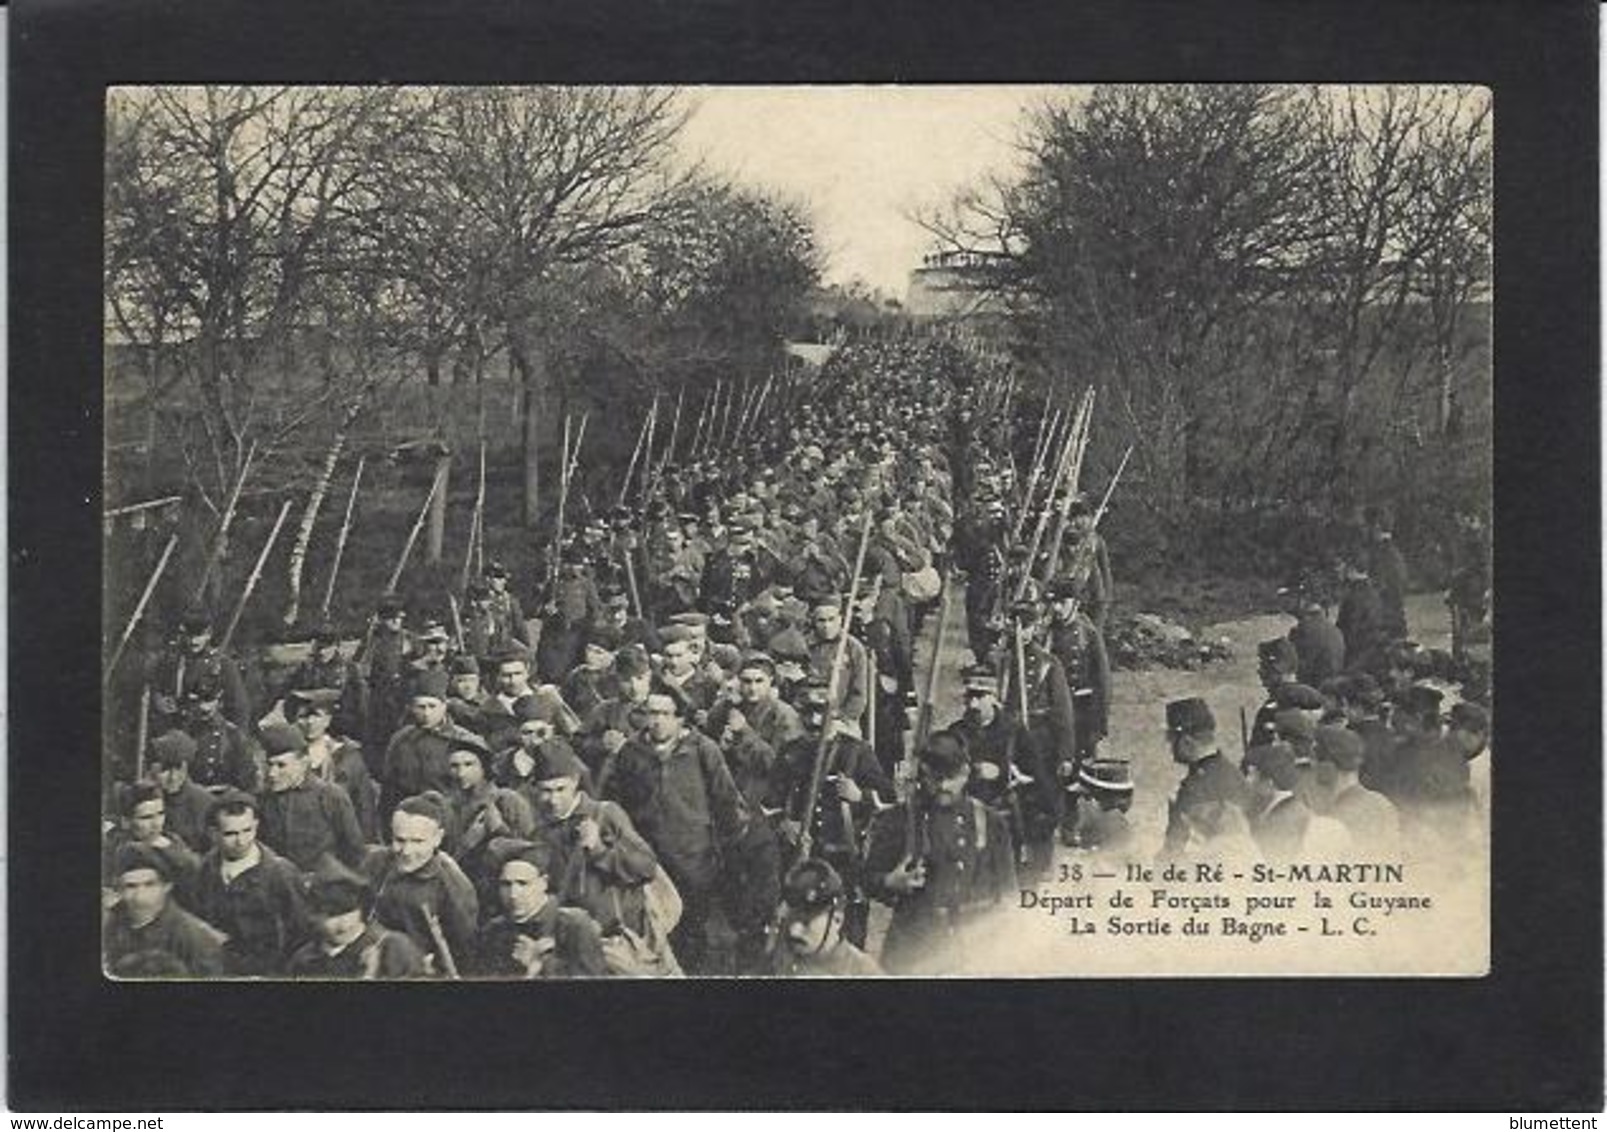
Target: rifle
[563, 502]
[340, 543]
[647, 452]
[675, 430]
[418, 525]
[1063, 512]
[1244, 732]
[476, 528]
[1085, 547]
[630, 470]
[1063, 470]
[813, 797]
[142, 731]
[438, 938]
[457, 619]
[256, 575]
[139, 608]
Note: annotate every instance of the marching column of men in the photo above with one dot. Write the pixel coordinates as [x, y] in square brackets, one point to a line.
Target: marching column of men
[701, 753]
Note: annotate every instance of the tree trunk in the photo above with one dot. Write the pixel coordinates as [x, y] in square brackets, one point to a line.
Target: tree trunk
[309, 517]
[530, 365]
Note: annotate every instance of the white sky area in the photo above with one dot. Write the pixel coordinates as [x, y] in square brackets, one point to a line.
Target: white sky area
[863, 158]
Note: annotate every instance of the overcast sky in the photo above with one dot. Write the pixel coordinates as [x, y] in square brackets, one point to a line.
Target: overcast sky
[862, 157]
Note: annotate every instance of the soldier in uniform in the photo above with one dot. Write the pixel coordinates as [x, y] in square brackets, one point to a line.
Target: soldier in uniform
[1319, 645]
[811, 928]
[1276, 667]
[1101, 797]
[850, 779]
[1077, 641]
[978, 538]
[328, 667]
[508, 616]
[940, 861]
[1052, 726]
[1209, 779]
[193, 658]
[224, 754]
[999, 747]
[1361, 620]
[385, 660]
[1388, 569]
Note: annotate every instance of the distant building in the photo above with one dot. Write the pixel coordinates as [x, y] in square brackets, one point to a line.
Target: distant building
[953, 285]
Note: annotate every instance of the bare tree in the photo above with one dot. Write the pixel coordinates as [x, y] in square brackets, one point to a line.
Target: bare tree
[511, 184]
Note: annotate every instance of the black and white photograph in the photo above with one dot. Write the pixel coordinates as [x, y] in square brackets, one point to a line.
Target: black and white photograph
[600, 531]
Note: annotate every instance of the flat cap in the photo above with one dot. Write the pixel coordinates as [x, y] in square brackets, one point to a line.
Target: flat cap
[282, 739]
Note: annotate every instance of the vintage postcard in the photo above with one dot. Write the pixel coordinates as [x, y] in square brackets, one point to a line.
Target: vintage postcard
[771, 531]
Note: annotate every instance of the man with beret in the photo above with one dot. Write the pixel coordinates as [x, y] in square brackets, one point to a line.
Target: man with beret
[192, 657]
[810, 927]
[384, 661]
[789, 648]
[479, 812]
[1318, 643]
[186, 802]
[599, 861]
[419, 889]
[334, 757]
[960, 862]
[1278, 818]
[348, 944]
[1101, 797]
[146, 920]
[466, 696]
[851, 682]
[500, 714]
[416, 756]
[851, 786]
[680, 795]
[535, 936]
[592, 681]
[1209, 780]
[224, 755]
[682, 673]
[248, 892]
[143, 821]
[763, 710]
[619, 721]
[1370, 818]
[304, 818]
